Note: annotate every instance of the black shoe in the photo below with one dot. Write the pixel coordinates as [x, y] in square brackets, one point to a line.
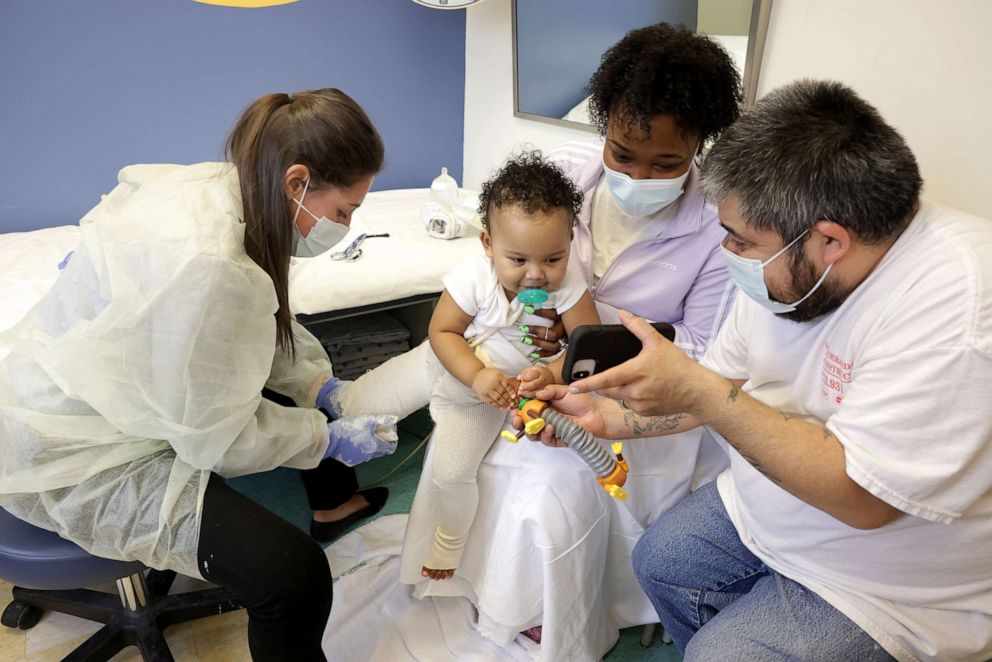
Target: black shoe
[330, 531]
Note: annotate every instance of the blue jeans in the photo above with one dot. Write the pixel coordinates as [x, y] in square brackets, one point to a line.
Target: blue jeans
[718, 601]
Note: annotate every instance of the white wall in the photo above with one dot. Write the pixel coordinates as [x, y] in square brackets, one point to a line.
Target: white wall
[491, 130]
[724, 17]
[925, 64]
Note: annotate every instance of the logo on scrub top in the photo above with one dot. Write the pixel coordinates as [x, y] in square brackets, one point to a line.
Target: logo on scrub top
[835, 375]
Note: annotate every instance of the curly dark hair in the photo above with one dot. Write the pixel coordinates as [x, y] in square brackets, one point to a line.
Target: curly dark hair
[666, 70]
[532, 183]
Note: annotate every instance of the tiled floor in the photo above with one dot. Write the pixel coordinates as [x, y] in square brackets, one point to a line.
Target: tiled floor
[223, 638]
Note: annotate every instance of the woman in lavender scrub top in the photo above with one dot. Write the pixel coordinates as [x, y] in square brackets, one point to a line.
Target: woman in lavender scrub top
[549, 547]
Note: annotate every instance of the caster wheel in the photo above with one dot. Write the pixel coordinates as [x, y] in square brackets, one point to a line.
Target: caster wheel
[21, 616]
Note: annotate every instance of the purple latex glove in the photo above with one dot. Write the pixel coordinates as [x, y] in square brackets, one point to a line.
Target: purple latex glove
[329, 396]
[361, 438]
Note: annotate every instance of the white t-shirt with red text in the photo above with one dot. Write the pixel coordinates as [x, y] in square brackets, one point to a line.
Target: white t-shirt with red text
[901, 374]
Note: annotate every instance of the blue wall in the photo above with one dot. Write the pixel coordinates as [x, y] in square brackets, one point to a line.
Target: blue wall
[89, 86]
[560, 43]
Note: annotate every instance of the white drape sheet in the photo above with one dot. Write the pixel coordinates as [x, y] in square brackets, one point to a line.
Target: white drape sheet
[375, 618]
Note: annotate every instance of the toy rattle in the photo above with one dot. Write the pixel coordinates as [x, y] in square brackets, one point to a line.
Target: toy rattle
[611, 473]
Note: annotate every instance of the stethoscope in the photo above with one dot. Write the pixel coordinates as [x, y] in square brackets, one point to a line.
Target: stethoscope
[353, 251]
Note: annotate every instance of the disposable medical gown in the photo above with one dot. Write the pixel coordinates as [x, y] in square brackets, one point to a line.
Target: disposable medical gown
[142, 370]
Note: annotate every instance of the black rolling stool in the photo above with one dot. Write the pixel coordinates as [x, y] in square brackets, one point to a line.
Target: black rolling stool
[48, 571]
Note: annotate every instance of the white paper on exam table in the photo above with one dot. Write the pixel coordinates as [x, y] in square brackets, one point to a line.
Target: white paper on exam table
[407, 263]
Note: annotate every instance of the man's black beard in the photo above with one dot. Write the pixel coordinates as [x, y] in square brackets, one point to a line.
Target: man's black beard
[827, 298]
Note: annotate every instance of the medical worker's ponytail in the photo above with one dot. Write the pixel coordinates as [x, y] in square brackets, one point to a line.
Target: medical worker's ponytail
[324, 130]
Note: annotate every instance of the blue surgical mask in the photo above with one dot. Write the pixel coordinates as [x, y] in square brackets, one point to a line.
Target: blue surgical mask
[643, 197]
[322, 236]
[749, 275]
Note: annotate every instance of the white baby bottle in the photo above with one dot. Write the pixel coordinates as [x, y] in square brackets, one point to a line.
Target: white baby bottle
[444, 191]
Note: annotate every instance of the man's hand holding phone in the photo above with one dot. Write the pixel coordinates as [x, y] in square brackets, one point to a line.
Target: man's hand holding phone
[597, 348]
[659, 380]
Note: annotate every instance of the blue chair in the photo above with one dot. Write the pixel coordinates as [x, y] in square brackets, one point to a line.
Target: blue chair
[48, 572]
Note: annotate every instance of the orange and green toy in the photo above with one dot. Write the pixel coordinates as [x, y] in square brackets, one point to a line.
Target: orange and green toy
[611, 470]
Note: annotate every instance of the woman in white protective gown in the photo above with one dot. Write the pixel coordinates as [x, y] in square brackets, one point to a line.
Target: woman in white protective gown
[134, 386]
[548, 546]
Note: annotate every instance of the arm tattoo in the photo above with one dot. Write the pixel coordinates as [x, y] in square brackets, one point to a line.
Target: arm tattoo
[645, 426]
[732, 396]
[757, 465]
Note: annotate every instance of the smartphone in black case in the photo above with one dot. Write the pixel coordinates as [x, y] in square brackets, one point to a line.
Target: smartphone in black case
[593, 348]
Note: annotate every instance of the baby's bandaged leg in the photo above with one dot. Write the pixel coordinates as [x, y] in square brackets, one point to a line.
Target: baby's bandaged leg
[464, 430]
[400, 386]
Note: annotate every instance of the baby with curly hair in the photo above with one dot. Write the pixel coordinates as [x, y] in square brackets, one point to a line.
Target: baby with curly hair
[527, 209]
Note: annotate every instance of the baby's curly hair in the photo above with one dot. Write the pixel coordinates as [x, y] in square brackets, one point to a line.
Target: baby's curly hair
[533, 184]
[666, 70]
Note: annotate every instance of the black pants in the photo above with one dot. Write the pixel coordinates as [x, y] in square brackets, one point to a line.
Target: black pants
[278, 571]
[330, 483]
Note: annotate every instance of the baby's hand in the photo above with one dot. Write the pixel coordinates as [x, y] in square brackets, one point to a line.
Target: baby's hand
[534, 379]
[495, 388]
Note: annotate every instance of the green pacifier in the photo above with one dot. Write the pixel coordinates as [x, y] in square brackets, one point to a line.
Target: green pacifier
[532, 299]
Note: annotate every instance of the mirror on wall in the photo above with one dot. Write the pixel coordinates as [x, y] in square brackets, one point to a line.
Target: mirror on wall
[557, 45]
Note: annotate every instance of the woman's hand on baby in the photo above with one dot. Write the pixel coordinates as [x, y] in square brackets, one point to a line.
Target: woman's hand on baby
[545, 339]
[533, 379]
[495, 388]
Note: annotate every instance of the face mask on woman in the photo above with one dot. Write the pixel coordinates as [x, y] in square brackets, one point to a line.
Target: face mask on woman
[643, 197]
[322, 236]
